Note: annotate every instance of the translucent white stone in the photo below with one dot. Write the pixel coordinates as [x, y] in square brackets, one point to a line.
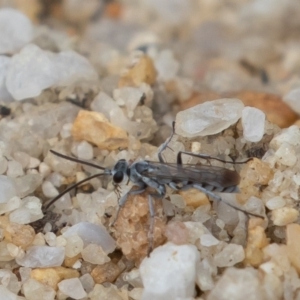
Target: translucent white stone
[87, 282]
[238, 284]
[72, 288]
[230, 255]
[94, 254]
[16, 30]
[56, 179]
[175, 266]
[60, 241]
[128, 96]
[205, 270]
[35, 290]
[66, 130]
[178, 201]
[29, 211]
[8, 188]
[50, 238]
[292, 99]
[33, 70]
[136, 293]
[6, 294]
[208, 240]
[104, 104]
[49, 189]
[85, 150]
[74, 245]
[286, 155]
[134, 278]
[27, 184]
[253, 122]
[33, 163]
[22, 158]
[4, 63]
[24, 273]
[276, 202]
[42, 257]
[14, 169]
[92, 234]
[209, 117]
[289, 135]
[44, 169]
[12, 204]
[166, 65]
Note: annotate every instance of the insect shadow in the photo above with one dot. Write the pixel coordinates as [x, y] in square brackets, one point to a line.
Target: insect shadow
[158, 175]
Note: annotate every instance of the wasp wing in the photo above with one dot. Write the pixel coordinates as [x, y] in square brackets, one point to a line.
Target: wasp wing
[211, 175]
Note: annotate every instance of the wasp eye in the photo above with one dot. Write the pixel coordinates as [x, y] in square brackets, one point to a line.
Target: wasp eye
[118, 177]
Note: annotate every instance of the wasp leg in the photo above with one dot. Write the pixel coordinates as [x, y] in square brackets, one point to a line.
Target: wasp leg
[151, 229]
[218, 198]
[165, 145]
[124, 199]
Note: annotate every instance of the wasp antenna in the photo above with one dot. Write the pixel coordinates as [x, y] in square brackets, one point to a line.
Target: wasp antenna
[87, 163]
[52, 201]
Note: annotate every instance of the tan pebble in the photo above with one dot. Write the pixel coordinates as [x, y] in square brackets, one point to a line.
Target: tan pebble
[142, 71]
[284, 216]
[293, 244]
[70, 261]
[277, 111]
[4, 221]
[107, 272]
[194, 198]
[19, 235]
[253, 174]
[132, 227]
[52, 276]
[263, 171]
[256, 241]
[96, 129]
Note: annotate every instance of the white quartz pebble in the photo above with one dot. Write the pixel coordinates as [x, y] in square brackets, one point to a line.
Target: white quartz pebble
[42, 257]
[16, 30]
[8, 189]
[229, 256]
[85, 150]
[49, 189]
[35, 290]
[72, 288]
[170, 272]
[92, 234]
[5, 293]
[253, 122]
[32, 70]
[209, 117]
